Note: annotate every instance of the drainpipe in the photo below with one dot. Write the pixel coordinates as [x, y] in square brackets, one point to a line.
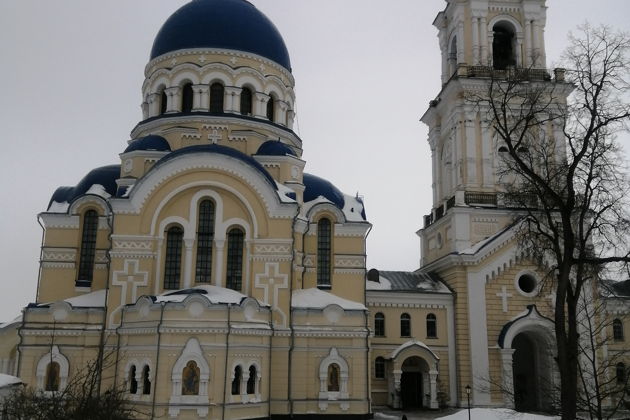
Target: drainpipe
[225, 367]
[157, 358]
[41, 251]
[292, 345]
[367, 335]
[270, 359]
[122, 319]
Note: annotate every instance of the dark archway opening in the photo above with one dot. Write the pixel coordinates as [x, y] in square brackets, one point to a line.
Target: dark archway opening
[526, 376]
[411, 384]
[503, 46]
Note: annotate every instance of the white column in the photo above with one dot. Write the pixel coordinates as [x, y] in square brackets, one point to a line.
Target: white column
[445, 52]
[536, 44]
[201, 100]
[397, 376]
[260, 105]
[477, 323]
[475, 39]
[218, 262]
[232, 98]
[433, 386]
[281, 118]
[471, 147]
[487, 154]
[188, 262]
[290, 119]
[158, 266]
[484, 41]
[543, 50]
[154, 104]
[507, 377]
[528, 43]
[461, 58]
[173, 102]
[519, 50]
[145, 109]
[434, 136]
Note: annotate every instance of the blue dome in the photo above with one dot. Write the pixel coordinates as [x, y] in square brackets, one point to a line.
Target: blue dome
[222, 150]
[105, 176]
[225, 24]
[275, 148]
[152, 142]
[316, 187]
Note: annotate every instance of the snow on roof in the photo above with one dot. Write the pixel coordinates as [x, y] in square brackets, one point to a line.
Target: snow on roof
[98, 189]
[495, 414]
[353, 209]
[382, 284]
[214, 294]
[89, 300]
[285, 193]
[412, 343]
[8, 380]
[319, 299]
[15, 320]
[56, 207]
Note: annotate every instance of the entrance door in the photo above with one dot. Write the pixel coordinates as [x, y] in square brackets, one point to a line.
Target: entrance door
[411, 390]
[525, 374]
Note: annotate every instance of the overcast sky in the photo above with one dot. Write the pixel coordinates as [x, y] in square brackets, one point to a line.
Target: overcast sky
[72, 70]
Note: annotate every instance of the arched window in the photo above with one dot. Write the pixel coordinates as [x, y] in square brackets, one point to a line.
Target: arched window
[251, 381]
[271, 108]
[173, 260]
[618, 330]
[246, 101]
[452, 57]
[234, 269]
[333, 377]
[205, 237]
[405, 325]
[502, 46]
[133, 383]
[324, 251]
[431, 326]
[190, 379]
[52, 379]
[379, 368]
[379, 325]
[217, 95]
[187, 97]
[163, 102]
[236, 381]
[88, 249]
[146, 380]
[620, 373]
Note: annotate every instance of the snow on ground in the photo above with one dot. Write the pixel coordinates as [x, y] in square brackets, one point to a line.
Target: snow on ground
[495, 414]
[7, 380]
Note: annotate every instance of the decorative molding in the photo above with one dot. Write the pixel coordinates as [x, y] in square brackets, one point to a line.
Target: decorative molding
[59, 254]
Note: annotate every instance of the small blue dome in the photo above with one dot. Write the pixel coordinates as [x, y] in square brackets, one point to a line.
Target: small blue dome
[222, 150]
[316, 187]
[225, 24]
[152, 142]
[105, 176]
[275, 148]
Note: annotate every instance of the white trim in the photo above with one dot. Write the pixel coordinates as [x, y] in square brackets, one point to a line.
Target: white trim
[191, 352]
[326, 396]
[53, 356]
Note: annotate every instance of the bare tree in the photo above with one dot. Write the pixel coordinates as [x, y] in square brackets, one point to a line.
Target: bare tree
[561, 165]
[81, 399]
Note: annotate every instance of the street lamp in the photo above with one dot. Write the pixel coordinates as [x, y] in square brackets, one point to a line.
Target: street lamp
[468, 397]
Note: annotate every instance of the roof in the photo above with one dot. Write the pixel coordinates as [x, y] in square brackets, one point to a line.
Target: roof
[104, 176]
[214, 295]
[222, 24]
[616, 288]
[152, 142]
[320, 299]
[222, 150]
[275, 148]
[316, 187]
[405, 281]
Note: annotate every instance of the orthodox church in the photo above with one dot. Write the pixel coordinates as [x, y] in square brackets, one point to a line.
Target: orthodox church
[230, 283]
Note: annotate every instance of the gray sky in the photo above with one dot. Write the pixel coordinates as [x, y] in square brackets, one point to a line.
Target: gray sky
[365, 71]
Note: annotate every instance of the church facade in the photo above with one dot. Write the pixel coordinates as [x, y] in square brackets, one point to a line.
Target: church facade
[229, 283]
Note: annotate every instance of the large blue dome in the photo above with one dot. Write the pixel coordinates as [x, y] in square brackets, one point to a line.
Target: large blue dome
[224, 24]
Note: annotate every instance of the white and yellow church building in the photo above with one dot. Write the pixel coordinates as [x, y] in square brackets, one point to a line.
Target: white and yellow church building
[231, 284]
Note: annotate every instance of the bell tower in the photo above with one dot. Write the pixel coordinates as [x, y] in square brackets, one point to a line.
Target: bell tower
[481, 41]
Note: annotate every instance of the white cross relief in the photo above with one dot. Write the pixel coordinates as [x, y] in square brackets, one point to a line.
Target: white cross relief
[271, 281]
[173, 61]
[233, 60]
[202, 59]
[214, 137]
[504, 295]
[262, 67]
[130, 278]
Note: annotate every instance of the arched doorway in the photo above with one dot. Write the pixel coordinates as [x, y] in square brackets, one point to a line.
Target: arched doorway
[529, 370]
[414, 371]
